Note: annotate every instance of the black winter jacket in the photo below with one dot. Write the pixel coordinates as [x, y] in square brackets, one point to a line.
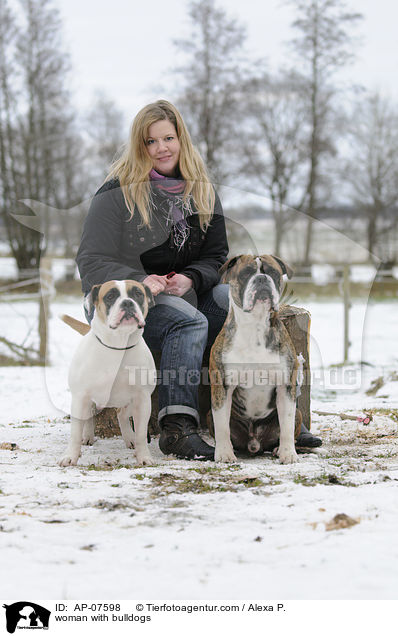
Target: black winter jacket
[113, 246]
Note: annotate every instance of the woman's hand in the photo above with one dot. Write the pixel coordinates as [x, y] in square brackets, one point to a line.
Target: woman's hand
[178, 285]
[156, 284]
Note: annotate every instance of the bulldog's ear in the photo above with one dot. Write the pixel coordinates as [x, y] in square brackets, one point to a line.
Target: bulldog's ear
[149, 295]
[286, 269]
[91, 299]
[225, 270]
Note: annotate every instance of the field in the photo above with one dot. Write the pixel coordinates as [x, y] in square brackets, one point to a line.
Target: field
[324, 528]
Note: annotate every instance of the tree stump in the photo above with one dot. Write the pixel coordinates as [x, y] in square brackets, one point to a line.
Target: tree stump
[106, 423]
[297, 322]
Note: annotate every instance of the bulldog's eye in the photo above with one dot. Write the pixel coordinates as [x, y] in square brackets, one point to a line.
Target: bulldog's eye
[275, 277]
[111, 295]
[136, 293]
[246, 272]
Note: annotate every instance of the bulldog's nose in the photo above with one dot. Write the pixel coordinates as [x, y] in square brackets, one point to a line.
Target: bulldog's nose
[262, 286]
[129, 307]
[262, 279]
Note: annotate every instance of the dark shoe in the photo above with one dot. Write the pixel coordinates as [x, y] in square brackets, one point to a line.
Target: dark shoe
[307, 439]
[179, 436]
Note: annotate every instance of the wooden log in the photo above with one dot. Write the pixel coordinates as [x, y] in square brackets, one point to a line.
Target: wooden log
[106, 423]
[297, 323]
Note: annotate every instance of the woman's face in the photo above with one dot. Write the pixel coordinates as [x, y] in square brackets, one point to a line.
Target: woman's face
[163, 147]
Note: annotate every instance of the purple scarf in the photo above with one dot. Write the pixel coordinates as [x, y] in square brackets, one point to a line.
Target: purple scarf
[179, 209]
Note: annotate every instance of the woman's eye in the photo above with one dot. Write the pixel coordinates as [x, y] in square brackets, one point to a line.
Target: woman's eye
[149, 142]
[169, 138]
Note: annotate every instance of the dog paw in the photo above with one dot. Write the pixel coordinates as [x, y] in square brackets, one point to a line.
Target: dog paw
[144, 460]
[88, 433]
[68, 460]
[88, 440]
[129, 441]
[287, 456]
[225, 455]
[71, 456]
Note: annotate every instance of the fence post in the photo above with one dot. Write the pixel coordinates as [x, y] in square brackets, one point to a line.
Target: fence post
[347, 305]
[46, 289]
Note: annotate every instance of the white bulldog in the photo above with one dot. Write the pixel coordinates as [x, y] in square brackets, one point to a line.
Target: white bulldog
[101, 371]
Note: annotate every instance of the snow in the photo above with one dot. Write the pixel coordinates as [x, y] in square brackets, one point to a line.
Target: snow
[362, 273]
[322, 274]
[60, 266]
[179, 529]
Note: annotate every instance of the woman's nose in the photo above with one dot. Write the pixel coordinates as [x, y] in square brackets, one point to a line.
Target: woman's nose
[162, 145]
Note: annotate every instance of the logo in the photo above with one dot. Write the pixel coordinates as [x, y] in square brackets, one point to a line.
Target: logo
[26, 615]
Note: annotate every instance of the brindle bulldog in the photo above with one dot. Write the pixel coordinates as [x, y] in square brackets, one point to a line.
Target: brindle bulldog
[253, 364]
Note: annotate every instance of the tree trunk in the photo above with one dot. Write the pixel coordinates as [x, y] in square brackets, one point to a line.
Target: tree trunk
[308, 241]
[278, 234]
[372, 233]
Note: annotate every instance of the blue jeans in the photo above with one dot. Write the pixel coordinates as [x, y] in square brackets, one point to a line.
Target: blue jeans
[181, 328]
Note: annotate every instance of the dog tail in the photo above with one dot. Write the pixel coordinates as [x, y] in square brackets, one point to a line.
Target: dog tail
[77, 325]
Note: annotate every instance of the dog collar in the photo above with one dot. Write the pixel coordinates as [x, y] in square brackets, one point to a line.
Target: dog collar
[117, 348]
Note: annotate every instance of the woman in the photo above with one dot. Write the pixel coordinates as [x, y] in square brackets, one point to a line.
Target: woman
[158, 220]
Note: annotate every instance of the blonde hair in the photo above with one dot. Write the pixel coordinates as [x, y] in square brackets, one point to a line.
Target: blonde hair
[132, 168]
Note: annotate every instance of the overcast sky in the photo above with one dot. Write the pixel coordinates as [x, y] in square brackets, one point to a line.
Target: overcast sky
[124, 47]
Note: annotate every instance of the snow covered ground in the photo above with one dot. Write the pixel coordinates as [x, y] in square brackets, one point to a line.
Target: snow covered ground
[178, 530]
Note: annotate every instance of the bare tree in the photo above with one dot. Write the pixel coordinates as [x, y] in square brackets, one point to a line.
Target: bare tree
[212, 79]
[372, 169]
[42, 124]
[104, 128]
[24, 243]
[323, 45]
[37, 124]
[274, 147]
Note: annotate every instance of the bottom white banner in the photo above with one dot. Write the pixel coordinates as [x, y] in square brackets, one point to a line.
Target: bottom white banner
[179, 617]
